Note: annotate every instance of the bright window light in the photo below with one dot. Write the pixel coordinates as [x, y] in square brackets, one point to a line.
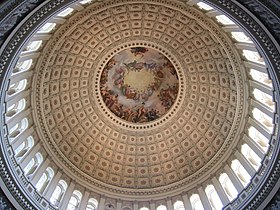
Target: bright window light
[260, 77]
[251, 156]
[196, 202]
[264, 98]
[48, 27]
[224, 20]
[204, 6]
[253, 56]
[259, 138]
[241, 37]
[213, 197]
[24, 65]
[265, 120]
[144, 208]
[179, 205]
[65, 12]
[161, 207]
[228, 186]
[85, 1]
[33, 46]
[241, 173]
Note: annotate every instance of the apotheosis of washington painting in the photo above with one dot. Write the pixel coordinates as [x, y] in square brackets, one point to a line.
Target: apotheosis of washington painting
[139, 85]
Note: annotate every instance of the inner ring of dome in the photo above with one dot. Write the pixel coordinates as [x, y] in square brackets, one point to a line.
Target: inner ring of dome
[139, 85]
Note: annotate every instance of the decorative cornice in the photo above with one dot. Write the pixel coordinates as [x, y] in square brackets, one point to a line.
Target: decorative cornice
[271, 51]
[4, 201]
[267, 12]
[13, 13]
[264, 41]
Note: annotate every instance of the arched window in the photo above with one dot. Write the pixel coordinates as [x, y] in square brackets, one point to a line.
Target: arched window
[44, 180]
[75, 200]
[259, 138]
[251, 156]
[65, 12]
[241, 37]
[261, 117]
[213, 197]
[92, 204]
[253, 56]
[224, 20]
[126, 208]
[23, 66]
[85, 1]
[204, 6]
[33, 164]
[33, 46]
[264, 98]
[260, 77]
[24, 147]
[17, 87]
[179, 205]
[58, 192]
[228, 186]
[47, 28]
[18, 128]
[161, 207]
[16, 108]
[196, 202]
[144, 208]
[241, 173]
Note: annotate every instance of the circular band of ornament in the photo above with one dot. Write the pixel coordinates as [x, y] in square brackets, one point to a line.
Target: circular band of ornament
[205, 91]
[139, 85]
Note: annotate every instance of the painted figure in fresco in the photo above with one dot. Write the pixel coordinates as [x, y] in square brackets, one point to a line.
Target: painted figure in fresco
[162, 90]
[150, 66]
[118, 77]
[139, 66]
[131, 65]
[111, 63]
[138, 51]
[152, 115]
[168, 96]
[141, 110]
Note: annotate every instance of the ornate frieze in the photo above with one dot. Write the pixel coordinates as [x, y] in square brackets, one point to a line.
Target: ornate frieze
[108, 134]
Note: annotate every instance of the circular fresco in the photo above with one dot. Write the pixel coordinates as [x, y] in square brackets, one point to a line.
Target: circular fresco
[139, 84]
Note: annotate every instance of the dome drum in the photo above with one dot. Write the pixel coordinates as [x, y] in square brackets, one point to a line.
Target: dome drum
[143, 105]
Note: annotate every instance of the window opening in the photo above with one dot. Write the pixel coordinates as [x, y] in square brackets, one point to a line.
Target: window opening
[260, 77]
[224, 20]
[58, 192]
[213, 197]
[241, 173]
[204, 6]
[196, 202]
[251, 156]
[265, 120]
[47, 28]
[241, 37]
[65, 12]
[179, 205]
[253, 56]
[74, 200]
[228, 186]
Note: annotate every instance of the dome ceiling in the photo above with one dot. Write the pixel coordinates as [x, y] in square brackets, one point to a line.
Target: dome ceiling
[139, 95]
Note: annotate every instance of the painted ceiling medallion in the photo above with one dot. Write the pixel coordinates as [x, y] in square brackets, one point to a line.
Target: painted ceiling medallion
[139, 84]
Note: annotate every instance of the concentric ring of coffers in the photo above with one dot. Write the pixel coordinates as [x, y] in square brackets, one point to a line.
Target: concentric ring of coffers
[172, 152]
